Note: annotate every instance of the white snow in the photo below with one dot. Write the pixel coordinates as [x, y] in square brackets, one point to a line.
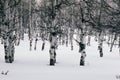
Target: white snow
[34, 65]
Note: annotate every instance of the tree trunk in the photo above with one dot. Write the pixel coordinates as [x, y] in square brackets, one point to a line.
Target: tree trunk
[17, 41]
[60, 39]
[108, 41]
[35, 44]
[21, 22]
[9, 49]
[2, 40]
[9, 37]
[115, 38]
[66, 40]
[96, 37]
[82, 45]
[82, 49]
[89, 39]
[31, 44]
[119, 42]
[53, 45]
[71, 38]
[63, 40]
[43, 45]
[100, 46]
[119, 51]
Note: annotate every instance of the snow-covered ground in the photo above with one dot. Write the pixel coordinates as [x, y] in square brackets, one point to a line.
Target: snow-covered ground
[34, 65]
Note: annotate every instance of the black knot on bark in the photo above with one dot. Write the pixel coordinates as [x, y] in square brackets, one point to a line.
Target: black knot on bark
[54, 33]
[52, 47]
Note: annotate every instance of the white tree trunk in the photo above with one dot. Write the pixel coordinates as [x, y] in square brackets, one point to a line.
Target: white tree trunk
[30, 21]
[21, 22]
[53, 45]
[71, 38]
[100, 44]
[89, 39]
[82, 45]
[31, 40]
[108, 41]
[9, 37]
[9, 48]
[67, 40]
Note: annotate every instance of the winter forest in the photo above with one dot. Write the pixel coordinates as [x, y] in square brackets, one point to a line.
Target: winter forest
[59, 23]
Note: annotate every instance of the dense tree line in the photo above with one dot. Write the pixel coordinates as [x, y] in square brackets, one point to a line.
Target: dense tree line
[57, 21]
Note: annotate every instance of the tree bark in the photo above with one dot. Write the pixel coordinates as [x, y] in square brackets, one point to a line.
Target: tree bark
[82, 45]
[100, 46]
[89, 39]
[9, 48]
[115, 38]
[119, 42]
[31, 40]
[71, 38]
[9, 37]
[66, 40]
[82, 49]
[53, 45]
[35, 47]
[43, 45]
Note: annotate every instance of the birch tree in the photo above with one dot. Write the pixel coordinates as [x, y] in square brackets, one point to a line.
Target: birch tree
[8, 27]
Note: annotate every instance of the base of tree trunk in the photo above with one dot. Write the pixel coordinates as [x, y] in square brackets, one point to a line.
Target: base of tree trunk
[101, 54]
[71, 47]
[52, 62]
[82, 62]
[55, 57]
[9, 59]
[110, 50]
[43, 46]
[55, 61]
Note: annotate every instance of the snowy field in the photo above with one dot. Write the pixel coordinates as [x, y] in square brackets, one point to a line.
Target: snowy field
[34, 65]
